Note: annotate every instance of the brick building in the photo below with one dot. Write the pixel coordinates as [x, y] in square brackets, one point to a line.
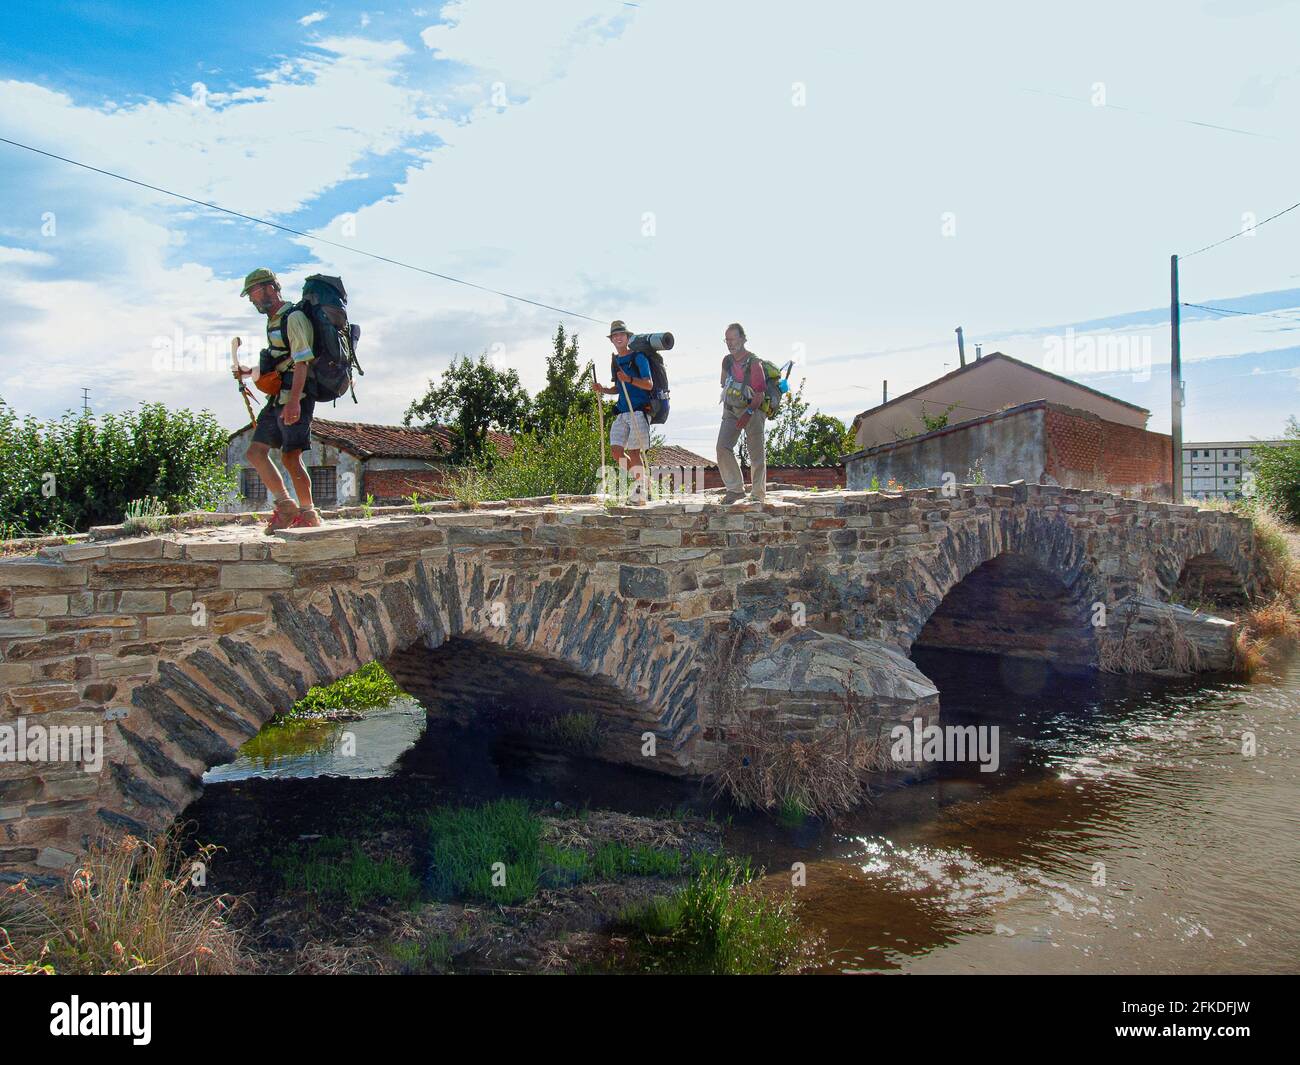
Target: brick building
[670, 458]
[1038, 442]
[349, 461]
[1011, 421]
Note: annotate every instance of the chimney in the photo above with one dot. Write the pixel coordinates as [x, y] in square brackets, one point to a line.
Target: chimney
[977, 352]
[961, 346]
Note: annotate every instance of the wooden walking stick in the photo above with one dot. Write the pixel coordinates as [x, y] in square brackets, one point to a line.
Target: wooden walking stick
[239, 381]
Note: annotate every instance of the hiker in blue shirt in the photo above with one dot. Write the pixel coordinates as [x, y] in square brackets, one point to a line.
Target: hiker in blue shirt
[629, 436]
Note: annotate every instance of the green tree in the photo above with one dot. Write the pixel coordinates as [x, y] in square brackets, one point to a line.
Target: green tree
[81, 470]
[472, 398]
[567, 385]
[1277, 472]
[797, 438]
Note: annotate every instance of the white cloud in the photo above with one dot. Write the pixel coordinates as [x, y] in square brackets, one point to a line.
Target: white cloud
[524, 44]
[314, 17]
[816, 226]
[24, 257]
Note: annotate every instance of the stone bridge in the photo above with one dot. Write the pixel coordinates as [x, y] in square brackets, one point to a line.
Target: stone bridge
[671, 621]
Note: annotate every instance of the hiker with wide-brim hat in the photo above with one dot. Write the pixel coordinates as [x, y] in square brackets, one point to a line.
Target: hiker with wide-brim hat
[629, 436]
[285, 422]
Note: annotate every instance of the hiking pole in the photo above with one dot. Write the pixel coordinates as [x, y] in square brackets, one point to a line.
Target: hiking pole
[600, 414]
[239, 381]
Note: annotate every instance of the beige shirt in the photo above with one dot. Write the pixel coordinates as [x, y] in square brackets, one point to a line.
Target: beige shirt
[298, 343]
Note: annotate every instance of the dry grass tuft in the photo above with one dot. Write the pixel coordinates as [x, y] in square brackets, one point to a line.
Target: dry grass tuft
[1277, 619]
[130, 908]
[820, 775]
[1161, 649]
[1261, 626]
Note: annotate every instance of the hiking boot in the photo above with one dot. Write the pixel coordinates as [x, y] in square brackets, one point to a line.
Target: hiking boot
[729, 497]
[306, 519]
[286, 510]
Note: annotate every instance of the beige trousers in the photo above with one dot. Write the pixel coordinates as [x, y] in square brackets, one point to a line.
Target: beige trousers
[728, 436]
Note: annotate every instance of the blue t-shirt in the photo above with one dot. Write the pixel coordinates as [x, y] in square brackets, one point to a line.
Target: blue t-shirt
[635, 365]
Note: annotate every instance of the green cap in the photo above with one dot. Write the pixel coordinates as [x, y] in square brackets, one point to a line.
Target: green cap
[257, 277]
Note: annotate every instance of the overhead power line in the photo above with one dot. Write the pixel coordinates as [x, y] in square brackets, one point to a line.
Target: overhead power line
[1241, 232]
[297, 232]
[1253, 314]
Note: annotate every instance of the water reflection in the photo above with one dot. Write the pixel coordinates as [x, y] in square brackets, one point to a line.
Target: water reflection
[1126, 833]
[370, 746]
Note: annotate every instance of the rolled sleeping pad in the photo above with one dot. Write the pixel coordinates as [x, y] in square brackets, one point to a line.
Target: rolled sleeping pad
[651, 342]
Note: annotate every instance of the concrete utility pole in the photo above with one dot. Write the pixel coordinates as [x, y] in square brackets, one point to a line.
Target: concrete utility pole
[1175, 380]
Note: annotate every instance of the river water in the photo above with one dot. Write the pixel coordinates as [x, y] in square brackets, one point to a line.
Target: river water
[1124, 832]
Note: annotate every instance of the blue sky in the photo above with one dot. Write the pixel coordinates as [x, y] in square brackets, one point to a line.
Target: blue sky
[850, 181]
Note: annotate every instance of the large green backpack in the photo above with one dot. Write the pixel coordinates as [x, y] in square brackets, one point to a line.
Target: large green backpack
[773, 391]
[742, 389]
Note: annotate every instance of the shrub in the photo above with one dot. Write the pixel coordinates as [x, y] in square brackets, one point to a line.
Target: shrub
[368, 686]
[81, 470]
[563, 459]
[1277, 472]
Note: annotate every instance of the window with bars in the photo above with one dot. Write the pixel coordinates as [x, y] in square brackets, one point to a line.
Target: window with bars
[324, 485]
[251, 486]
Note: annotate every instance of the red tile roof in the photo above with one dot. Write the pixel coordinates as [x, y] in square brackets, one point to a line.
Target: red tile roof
[396, 441]
[672, 455]
[367, 441]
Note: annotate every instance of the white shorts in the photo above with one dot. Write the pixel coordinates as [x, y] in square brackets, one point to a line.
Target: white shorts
[633, 436]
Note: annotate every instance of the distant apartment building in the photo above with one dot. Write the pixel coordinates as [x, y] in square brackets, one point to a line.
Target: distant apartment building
[1218, 470]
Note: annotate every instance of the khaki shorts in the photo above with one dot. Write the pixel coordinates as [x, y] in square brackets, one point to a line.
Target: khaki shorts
[630, 434]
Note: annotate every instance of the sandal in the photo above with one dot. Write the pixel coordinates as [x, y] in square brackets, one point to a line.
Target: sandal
[285, 513]
[306, 519]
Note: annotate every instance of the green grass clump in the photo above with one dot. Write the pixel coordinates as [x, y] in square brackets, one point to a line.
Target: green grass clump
[718, 925]
[369, 686]
[614, 860]
[466, 843]
[337, 870]
[416, 956]
[564, 866]
[578, 731]
[791, 813]
[468, 846]
[659, 916]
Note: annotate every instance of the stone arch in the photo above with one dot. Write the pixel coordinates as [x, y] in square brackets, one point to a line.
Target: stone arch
[1003, 550]
[211, 697]
[1210, 578]
[1208, 555]
[1013, 607]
